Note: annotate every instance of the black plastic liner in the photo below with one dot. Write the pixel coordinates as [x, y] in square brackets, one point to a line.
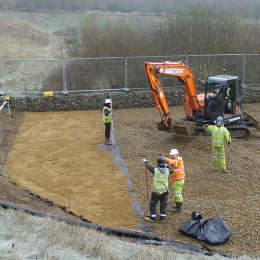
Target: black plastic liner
[215, 231]
[114, 149]
[110, 230]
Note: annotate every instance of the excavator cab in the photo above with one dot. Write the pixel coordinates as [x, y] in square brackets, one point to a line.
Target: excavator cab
[222, 97]
[213, 102]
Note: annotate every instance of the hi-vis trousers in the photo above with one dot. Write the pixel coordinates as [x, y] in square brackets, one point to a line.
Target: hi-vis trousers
[218, 154]
[177, 190]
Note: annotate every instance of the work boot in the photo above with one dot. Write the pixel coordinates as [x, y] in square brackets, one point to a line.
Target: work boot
[149, 218]
[162, 218]
[177, 208]
[107, 141]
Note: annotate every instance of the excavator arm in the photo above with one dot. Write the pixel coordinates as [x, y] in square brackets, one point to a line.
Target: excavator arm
[158, 93]
[185, 75]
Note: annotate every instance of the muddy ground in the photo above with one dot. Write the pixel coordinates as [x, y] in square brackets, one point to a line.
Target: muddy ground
[234, 196]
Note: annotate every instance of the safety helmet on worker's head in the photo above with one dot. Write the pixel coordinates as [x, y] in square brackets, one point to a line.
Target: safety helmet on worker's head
[161, 162]
[108, 101]
[174, 152]
[219, 118]
[219, 121]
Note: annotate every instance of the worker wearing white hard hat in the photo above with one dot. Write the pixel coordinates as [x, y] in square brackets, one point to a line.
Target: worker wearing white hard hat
[177, 178]
[108, 101]
[107, 118]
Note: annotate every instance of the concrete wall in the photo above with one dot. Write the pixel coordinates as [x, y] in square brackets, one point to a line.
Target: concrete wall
[96, 100]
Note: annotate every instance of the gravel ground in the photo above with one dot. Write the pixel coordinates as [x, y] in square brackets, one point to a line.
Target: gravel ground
[234, 196]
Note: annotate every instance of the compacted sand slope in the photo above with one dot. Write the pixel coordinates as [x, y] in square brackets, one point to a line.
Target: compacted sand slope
[58, 156]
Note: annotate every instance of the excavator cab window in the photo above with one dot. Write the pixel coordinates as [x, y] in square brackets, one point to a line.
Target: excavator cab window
[214, 105]
[222, 96]
[229, 96]
[232, 98]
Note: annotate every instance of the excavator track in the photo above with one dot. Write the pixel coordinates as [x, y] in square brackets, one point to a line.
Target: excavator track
[188, 128]
[238, 131]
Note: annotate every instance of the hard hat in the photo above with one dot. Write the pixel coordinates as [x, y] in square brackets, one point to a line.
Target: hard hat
[160, 161]
[108, 101]
[219, 118]
[174, 152]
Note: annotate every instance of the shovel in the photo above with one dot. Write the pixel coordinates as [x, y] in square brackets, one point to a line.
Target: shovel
[147, 192]
[228, 150]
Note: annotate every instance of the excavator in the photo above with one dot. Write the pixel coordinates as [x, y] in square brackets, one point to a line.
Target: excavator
[221, 96]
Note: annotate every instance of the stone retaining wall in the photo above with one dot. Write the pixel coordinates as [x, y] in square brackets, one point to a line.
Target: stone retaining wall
[96, 100]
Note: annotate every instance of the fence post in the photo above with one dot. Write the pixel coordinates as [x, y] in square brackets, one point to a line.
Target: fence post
[243, 70]
[2, 82]
[65, 91]
[126, 74]
[1, 69]
[187, 59]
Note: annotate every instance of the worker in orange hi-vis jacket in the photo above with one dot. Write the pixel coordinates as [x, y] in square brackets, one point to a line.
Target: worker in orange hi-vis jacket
[176, 179]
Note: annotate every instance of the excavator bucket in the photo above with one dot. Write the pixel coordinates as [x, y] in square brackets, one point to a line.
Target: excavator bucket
[187, 128]
[179, 127]
[251, 122]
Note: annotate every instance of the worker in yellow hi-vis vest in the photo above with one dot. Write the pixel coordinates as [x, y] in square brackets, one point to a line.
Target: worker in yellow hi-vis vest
[107, 118]
[160, 188]
[219, 134]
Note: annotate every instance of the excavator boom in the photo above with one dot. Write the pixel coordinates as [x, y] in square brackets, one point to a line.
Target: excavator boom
[185, 75]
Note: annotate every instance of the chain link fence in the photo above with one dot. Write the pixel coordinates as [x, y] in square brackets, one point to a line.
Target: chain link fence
[27, 77]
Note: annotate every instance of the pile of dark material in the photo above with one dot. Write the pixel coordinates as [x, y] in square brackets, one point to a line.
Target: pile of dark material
[215, 231]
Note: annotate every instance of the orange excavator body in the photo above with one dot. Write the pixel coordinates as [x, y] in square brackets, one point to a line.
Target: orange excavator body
[221, 97]
[183, 72]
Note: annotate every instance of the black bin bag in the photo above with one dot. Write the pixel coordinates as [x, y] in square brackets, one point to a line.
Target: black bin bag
[215, 231]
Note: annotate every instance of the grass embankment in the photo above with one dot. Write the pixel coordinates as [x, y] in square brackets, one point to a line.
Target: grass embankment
[24, 236]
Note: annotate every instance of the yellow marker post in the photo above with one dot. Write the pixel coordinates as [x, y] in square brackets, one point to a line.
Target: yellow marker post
[48, 94]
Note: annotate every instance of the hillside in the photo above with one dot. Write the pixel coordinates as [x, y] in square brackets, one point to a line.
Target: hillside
[31, 35]
[22, 36]
[42, 35]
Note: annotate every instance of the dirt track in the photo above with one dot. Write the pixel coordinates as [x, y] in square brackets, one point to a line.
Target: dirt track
[235, 196]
